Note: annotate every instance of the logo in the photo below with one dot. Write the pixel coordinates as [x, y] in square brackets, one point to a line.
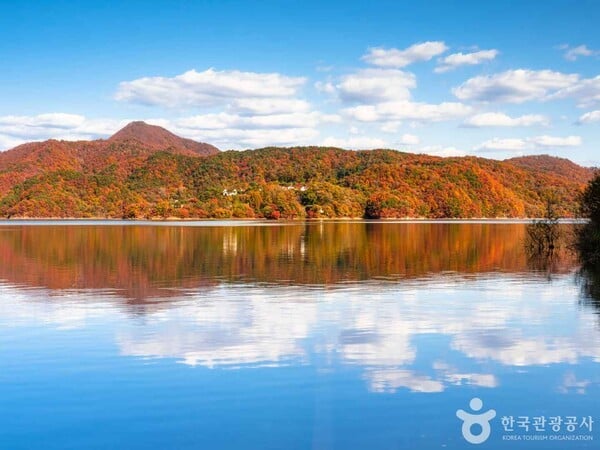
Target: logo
[481, 419]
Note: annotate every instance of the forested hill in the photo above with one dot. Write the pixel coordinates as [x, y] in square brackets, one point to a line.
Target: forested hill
[147, 172]
[550, 164]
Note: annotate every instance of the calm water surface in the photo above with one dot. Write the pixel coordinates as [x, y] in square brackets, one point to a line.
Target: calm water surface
[284, 336]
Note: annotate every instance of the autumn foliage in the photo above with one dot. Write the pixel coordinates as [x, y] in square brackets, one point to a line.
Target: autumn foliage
[148, 174]
[155, 261]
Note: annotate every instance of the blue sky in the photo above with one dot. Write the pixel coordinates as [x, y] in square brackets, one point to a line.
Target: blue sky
[494, 79]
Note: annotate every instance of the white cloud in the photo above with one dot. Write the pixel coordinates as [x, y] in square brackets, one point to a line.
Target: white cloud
[406, 110]
[390, 127]
[440, 150]
[586, 92]
[7, 142]
[242, 138]
[375, 85]
[225, 130]
[252, 109]
[393, 57]
[572, 53]
[496, 119]
[355, 142]
[503, 144]
[455, 60]
[233, 131]
[326, 87]
[256, 109]
[589, 117]
[384, 95]
[409, 139]
[518, 144]
[362, 142]
[49, 120]
[15, 130]
[264, 106]
[554, 141]
[518, 86]
[515, 86]
[209, 88]
[227, 121]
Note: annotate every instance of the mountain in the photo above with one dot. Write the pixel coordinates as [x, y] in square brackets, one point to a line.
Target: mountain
[144, 171]
[129, 147]
[157, 138]
[554, 165]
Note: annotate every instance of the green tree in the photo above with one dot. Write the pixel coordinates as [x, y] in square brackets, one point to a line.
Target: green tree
[588, 236]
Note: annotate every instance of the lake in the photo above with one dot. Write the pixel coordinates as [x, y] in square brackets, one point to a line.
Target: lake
[318, 335]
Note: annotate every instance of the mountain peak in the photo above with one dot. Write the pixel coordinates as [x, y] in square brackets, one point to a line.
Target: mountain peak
[158, 138]
[141, 131]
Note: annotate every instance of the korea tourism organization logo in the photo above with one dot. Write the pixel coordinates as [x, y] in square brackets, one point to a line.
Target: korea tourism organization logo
[477, 426]
[470, 420]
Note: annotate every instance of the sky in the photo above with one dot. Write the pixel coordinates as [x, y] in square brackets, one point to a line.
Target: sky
[495, 79]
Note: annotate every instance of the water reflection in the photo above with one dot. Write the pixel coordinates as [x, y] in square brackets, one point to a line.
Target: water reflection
[400, 336]
[589, 278]
[144, 262]
[238, 327]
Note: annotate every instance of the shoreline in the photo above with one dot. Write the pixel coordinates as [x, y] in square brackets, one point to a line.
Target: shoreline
[270, 222]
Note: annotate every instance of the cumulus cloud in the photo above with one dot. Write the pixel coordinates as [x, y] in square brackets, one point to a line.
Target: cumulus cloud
[554, 141]
[407, 110]
[515, 86]
[510, 144]
[15, 130]
[374, 85]
[325, 87]
[233, 131]
[497, 119]
[226, 130]
[384, 95]
[50, 120]
[218, 121]
[589, 117]
[245, 133]
[409, 139]
[356, 142]
[572, 53]
[247, 138]
[265, 106]
[586, 92]
[390, 127]
[531, 143]
[244, 109]
[440, 150]
[210, 88]
[393, 57]
[455, 60]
